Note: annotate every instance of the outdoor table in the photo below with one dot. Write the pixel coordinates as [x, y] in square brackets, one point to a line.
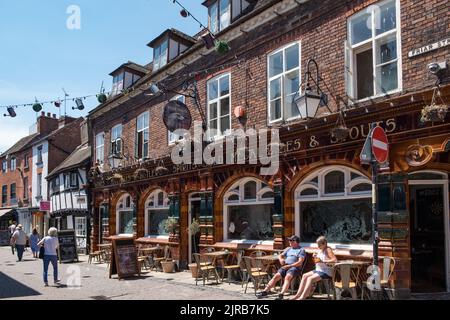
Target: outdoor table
[215, 255]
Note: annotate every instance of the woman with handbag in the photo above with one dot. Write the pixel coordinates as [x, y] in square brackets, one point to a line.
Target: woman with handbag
[50, 244]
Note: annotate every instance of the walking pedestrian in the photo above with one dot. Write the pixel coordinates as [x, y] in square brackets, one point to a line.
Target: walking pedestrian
[19, 239]
[34, 239]
[50, 244]
[12, 229]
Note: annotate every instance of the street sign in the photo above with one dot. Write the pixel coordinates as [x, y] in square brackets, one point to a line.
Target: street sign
[44, 206]
[380, 145]
[366, 154]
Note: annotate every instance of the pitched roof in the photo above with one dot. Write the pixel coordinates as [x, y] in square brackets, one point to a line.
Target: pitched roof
[134, 66]
[175, 32]
[21, 144]
[81, 155]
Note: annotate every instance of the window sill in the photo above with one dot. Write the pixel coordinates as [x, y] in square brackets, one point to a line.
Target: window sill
[337, 246]
[160, 237]
[378, 96]
[251, 242]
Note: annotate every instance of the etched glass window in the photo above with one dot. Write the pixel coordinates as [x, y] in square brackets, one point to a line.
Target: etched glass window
[335, 182]
[250, 222]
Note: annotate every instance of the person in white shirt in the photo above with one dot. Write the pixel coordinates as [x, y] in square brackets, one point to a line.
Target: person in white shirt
[19, 240]
[51, 245]
[12, 229]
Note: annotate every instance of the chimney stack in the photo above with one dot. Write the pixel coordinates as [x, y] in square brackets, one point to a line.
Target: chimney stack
[43, 113]
[54, 116]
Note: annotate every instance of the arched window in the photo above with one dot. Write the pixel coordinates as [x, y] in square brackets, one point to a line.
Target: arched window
[334, 202]
[125, 219]
[248, 211]
[156, 214]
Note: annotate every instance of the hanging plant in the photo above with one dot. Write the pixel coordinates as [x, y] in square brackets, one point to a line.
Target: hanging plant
[102, 98]
[37, 107]
[171, 225]
[434, 112]
[340, 132]
[222, 47]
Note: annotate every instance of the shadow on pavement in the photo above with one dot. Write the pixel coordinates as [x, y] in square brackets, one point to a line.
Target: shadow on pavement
[11, 288]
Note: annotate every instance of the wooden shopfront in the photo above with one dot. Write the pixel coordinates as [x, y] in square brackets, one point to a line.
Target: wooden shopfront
[321, 188]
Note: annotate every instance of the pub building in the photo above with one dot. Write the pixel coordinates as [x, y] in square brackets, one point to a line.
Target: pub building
[364, 66]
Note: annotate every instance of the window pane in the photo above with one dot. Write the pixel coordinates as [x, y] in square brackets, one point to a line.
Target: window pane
[213, 124]
[291, 83]
[250, 190]
[250, 222]
[126, 222]
[386, 50]
[160, 199]
[364, 71]
[213, 110]
[212, 90]
[309, 192]
[361, 28]
[213, 18]
[224, 123]
[267, 195]
[224, 86]
[224, 106]
[385, 18]
[275, 89]
[345, 221]
[224, 14]
[335, 182]
[384, 197]
[292, 57]
[362, 187]
[275, 64]
[156, 222]
[275, 110]
[387, 78]
[233, 197]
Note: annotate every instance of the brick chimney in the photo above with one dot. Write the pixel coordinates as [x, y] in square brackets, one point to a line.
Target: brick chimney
[65, 120]
[46, 124]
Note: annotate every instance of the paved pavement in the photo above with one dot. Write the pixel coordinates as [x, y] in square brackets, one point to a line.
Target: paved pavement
[83, 281]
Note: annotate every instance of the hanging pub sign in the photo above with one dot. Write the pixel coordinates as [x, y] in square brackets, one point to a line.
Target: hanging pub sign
[67, 246]
[123, 258]
[44, 206]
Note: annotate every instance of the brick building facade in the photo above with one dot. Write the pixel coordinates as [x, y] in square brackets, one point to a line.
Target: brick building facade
[372, 69]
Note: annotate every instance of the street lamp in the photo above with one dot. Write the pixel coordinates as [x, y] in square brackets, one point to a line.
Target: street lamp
[309, 102]
[114, 160]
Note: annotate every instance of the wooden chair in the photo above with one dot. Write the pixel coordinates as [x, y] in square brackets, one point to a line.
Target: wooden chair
[96, 255]
[204, 268]
[229, 266]
[165, 257]
[342, 280]
[257, 277]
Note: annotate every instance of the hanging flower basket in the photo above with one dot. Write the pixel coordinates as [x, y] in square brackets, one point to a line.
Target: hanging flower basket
[102, 98]
[222, 47]
[434, 113]
[340, 132]
[37, 107]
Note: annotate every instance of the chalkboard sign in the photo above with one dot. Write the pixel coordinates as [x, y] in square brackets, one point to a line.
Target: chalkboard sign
[5, 237]
[124, 258]
[67, 246]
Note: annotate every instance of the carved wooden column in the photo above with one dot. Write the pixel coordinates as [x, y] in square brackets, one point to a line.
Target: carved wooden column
[278, 217]
[174, 213]
[135, 196]
[207, 218]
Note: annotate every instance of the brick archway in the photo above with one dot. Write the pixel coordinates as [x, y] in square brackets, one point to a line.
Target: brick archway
[112, 211]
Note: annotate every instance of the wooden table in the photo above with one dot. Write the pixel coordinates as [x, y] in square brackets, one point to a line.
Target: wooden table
[268, 262]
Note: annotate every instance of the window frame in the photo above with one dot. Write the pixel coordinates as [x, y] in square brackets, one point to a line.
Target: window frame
[282, 75]
[4, 166]
[143, 130]
[4, 194]
[157, 53]
[219, 27]
[100, 148]
[219, 135]
[116, 139]
[371, 44]
[13, 164]
[124, 209]
[39, 151]
[155, 207]
[11, 189]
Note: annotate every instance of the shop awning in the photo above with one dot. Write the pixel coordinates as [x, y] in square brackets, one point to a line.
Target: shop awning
[4, 211]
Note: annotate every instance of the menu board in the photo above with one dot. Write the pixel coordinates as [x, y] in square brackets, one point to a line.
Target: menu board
[124, 258]
[67, 246]
[5, 237]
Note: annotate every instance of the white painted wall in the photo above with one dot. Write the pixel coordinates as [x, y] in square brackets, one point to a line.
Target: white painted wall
[44, 145]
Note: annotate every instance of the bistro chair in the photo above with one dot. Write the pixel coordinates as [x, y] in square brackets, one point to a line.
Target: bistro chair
[229, 267]
[257, 277]
[166, 256]
[258, 254]
[204, 268]
[96, 255]
[342, 280]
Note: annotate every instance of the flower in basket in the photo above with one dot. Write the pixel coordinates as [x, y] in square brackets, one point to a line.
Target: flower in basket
[434, 113]
[340, 132]
[222, 47]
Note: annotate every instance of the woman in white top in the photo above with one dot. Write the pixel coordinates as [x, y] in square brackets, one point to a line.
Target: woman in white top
[322, 271]
[50, 244]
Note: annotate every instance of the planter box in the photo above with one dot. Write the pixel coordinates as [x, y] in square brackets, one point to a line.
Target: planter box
[194, 270]
[168, 266]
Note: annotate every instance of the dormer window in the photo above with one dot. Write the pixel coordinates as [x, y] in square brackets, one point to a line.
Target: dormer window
[222, 12]
[168, 46]
[126, 76]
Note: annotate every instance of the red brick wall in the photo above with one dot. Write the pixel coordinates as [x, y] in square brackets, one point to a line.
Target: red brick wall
[322, 37]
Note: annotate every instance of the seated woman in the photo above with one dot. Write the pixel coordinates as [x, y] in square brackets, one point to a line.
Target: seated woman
[322, 271]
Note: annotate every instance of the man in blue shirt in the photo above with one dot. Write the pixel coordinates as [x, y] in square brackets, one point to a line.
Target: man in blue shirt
[291, 261]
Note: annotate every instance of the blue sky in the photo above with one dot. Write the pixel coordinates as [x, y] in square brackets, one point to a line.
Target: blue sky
[39, 55]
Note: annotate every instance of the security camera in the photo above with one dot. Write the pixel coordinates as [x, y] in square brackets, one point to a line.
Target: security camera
[437, 67]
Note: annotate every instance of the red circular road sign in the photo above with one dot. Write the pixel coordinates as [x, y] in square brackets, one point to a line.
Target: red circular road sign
[380, 145]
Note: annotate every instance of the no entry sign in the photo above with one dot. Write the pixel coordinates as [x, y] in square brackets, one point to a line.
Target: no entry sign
[380, 145]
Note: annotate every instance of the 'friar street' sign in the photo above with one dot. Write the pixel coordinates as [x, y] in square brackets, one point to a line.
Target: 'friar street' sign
[428, 48]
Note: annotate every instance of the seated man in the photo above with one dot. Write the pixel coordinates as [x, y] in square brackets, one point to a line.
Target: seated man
[291, 261]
